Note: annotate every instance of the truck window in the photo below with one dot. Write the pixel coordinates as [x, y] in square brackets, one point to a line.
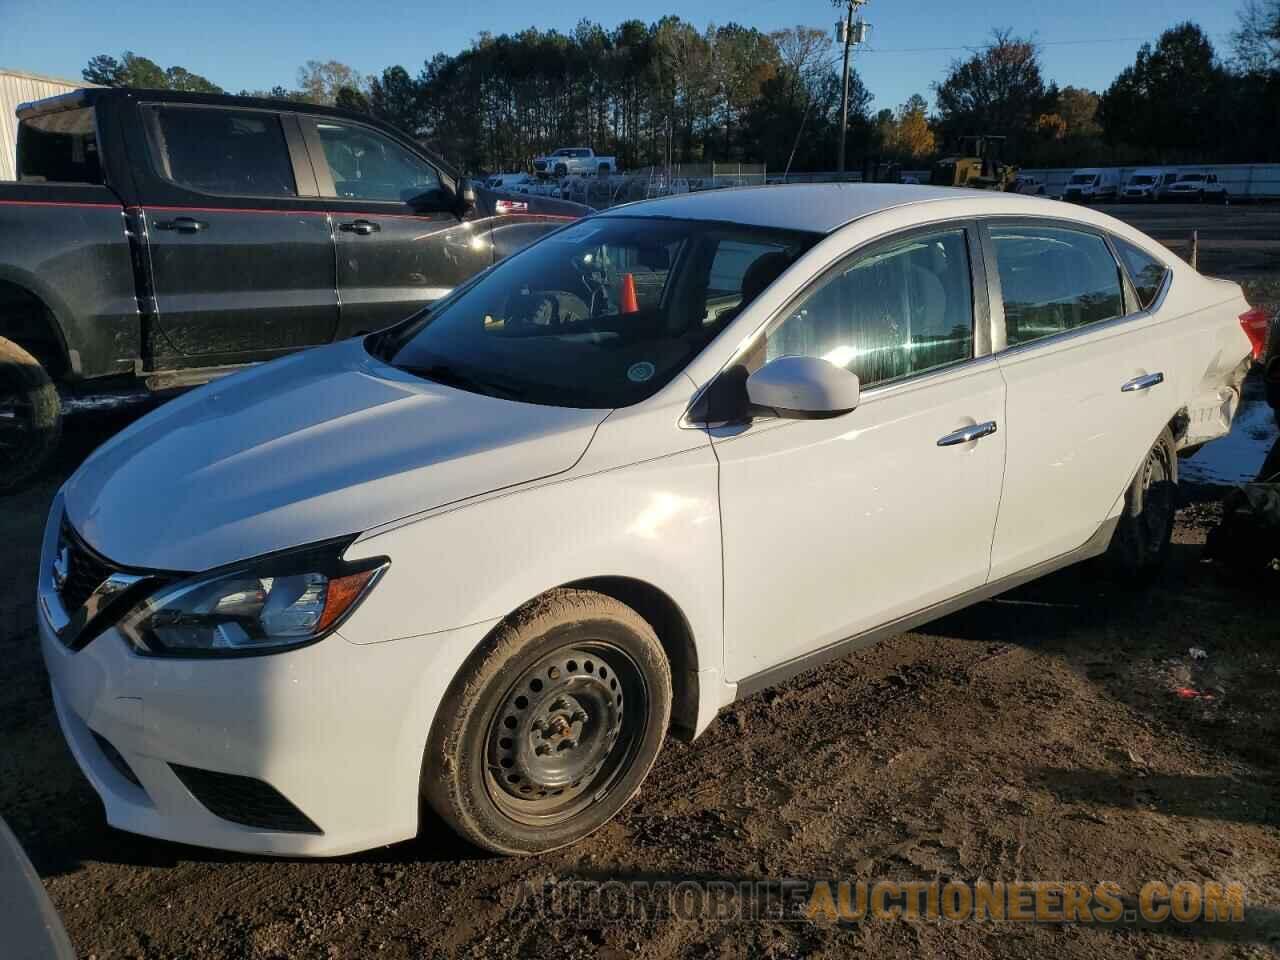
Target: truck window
[228, 152]
[368, 166]
[59, 147]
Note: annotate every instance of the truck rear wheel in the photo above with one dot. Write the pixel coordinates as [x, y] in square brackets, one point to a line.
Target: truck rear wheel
[30, 416]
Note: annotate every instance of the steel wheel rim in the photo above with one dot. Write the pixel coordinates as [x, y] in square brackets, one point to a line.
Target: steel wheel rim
[1157, 498]
[565, 732]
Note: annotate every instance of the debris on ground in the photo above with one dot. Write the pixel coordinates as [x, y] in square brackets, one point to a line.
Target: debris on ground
[1248, 538]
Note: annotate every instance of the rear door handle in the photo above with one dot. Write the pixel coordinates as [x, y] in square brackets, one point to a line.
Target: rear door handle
[361, 227]
[182, 225]
[1145, 382]
[968, 434]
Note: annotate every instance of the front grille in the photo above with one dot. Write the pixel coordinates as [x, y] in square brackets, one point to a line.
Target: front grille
[244, 800]
[85, 570]
[114, 758]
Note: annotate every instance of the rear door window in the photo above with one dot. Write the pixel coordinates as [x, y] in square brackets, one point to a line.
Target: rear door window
[1054, 280]
[225, 152]
[59, 147]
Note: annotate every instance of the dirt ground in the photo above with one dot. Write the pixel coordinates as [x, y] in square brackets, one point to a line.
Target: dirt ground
[1062, 732]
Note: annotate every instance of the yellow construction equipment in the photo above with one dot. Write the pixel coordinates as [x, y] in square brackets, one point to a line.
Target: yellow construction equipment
[978, 165]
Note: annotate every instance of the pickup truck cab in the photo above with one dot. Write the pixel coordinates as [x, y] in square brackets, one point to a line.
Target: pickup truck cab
[1196, 185]
[570, 160]
[160, 239]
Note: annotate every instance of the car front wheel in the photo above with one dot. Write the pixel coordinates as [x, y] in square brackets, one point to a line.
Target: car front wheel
[551, 726]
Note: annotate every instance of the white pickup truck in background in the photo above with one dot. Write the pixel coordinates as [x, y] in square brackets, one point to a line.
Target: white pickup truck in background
[571, 160]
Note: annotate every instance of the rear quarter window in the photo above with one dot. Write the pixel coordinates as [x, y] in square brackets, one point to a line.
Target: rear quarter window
[1145, 271]
[59, 147]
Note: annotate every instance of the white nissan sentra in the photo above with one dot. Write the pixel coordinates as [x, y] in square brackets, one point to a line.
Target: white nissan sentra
[666, 456]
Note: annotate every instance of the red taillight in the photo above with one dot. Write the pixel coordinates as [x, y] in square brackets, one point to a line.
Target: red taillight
[1255, 328]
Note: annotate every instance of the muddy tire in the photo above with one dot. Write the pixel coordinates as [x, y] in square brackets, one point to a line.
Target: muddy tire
[1140, 545]
[551, 726]
[30, 416]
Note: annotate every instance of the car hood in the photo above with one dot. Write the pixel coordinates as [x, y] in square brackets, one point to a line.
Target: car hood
[321, 444]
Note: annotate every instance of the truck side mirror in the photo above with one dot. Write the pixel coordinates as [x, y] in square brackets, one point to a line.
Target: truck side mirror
[466, 198]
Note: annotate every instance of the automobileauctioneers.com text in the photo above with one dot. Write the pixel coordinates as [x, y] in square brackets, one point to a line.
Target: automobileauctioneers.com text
[852, 901]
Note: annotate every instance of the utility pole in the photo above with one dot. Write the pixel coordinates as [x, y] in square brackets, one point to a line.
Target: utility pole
[848, 33]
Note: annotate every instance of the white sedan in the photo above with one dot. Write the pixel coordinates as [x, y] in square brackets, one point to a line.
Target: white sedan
[659, 460]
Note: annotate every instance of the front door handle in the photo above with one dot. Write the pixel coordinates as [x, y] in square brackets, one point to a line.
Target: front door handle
[182, 225]
[1142, 383]
[361, 227]
[968, 434]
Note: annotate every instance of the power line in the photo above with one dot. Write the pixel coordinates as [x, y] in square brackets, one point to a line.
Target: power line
[1040, 43]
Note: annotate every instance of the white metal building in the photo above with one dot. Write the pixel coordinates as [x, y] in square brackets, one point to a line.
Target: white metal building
[18, 87]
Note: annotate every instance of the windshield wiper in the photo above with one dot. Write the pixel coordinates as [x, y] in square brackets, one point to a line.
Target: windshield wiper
[451, 376]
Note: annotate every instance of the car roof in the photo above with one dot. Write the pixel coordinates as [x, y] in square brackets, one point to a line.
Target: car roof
[815, 207]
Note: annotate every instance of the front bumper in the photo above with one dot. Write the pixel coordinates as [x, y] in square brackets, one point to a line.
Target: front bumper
[338, 729]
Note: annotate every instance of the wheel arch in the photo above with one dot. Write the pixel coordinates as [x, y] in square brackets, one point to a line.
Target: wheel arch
[674, 633]
[28, 318]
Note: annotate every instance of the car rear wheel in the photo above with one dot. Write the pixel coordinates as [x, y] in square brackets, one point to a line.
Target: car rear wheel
[551, 726]
[30, 416]
[1140, 545]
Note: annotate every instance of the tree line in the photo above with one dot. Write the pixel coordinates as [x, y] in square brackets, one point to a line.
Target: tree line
[670, 92]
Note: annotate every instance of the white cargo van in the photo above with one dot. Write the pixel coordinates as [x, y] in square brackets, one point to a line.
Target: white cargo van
[1146, 183]
[1092, 184]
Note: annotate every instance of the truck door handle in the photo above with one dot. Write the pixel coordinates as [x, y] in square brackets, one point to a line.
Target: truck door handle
[1142, 383]
[182, 225]
[361, 227]
[968, 434]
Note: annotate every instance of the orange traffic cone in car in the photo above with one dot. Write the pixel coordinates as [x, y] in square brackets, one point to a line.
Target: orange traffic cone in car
[629, 302]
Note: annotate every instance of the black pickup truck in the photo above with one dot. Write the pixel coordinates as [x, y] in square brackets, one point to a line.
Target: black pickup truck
[160, 239]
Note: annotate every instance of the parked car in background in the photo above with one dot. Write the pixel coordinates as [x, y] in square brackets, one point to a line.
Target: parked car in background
[1147, 183]
[569, 160]
[1026, 184]
[1092, 185]
[161, 239]
[506, 181]
[652, 463]
[1196, 185]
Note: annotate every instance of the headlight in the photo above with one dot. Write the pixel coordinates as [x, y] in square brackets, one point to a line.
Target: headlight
[261, 606]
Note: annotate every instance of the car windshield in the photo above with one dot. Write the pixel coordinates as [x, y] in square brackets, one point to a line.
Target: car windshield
[1084, 178]
[1143, 179]
[1191, 177]
[598, 315]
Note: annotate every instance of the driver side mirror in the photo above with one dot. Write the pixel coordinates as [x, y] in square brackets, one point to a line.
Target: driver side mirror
[797, 388]
[802, 388]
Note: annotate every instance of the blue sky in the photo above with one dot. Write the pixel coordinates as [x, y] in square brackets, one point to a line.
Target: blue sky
[239, 44]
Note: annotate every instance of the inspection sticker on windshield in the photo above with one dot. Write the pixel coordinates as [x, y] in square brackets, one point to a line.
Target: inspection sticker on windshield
[640, 372]
[583, 231]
